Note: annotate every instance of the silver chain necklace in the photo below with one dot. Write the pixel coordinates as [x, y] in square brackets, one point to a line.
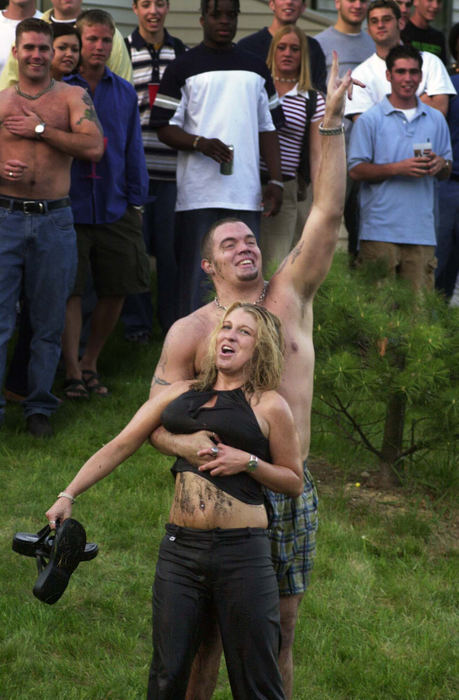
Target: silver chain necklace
[39, 94]
[260, 299]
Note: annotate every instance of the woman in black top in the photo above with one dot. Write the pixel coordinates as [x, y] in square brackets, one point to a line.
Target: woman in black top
[215, 551]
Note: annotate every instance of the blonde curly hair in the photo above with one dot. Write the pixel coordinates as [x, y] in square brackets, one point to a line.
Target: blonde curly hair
[267, 362]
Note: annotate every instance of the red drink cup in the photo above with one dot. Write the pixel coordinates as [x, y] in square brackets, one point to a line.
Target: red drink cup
[152, 92]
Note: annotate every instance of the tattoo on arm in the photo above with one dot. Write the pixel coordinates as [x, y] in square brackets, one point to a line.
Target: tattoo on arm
[158, 380]
[296, 252]
[292, 256]
[90, 113]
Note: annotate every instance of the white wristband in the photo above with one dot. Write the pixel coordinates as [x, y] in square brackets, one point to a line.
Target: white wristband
[64, 494]
[276, 182]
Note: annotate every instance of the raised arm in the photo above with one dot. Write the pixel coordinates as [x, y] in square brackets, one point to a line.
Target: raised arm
[308, 263]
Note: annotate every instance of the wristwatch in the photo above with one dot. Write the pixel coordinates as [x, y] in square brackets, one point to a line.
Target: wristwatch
[252, 464]
[39, 129]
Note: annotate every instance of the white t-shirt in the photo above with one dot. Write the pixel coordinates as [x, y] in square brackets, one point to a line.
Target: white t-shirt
[224, 94]
[8, 36]
[372, 72]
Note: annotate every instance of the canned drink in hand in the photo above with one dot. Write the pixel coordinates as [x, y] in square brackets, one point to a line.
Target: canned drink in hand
[226, 168]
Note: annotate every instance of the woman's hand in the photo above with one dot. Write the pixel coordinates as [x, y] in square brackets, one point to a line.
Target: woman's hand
[224, 460]
[60, 510]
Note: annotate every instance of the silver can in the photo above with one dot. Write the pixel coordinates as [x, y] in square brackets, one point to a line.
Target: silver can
[226, 168]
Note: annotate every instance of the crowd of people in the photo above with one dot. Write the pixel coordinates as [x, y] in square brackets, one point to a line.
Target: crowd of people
[226, 162]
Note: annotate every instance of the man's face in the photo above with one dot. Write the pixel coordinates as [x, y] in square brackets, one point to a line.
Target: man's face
[219, 25]
[97, 41]
[405, 8]
[427, 9]
[17, 3]
[67, 9]
[34, 53]
[404, 77]
[352, 11]
[287, 11]
[236, 256]
[383, 27]
[151, 15]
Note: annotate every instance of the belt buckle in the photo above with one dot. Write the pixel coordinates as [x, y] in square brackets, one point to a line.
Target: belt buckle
[33, 207]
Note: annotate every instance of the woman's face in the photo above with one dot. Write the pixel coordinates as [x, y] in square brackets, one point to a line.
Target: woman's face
[66, 55]
[287, 57]
[236, 341]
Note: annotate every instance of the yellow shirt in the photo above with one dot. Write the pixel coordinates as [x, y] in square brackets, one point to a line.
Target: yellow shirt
[119, 61]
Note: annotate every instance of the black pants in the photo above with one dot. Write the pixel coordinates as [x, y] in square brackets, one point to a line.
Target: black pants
[230, 571]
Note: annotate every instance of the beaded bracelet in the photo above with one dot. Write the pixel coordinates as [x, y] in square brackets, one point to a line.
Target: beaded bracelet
[331, 132]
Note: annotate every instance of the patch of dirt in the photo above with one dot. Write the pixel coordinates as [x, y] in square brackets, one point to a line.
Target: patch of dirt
[364, 493]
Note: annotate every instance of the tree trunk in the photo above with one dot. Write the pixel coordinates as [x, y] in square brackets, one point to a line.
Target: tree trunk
[393, 436]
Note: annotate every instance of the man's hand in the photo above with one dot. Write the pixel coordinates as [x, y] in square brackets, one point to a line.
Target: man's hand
[23, 124]
[436, 164]
[336, 92]
[215, 149]
[413, 167]
[272, 199]
[186, 446]
[226, 462]
[13, 170]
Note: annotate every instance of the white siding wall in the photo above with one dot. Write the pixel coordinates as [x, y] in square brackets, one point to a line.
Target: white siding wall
[183, 18]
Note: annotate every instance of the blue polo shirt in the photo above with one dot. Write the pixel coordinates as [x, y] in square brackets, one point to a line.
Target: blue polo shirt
[100, 193]
[399, 209]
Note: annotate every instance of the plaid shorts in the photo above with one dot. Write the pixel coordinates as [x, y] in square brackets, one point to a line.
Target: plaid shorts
[292, 531]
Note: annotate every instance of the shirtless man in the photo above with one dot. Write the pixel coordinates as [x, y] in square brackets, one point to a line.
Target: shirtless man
[43, 124]
[232, 259]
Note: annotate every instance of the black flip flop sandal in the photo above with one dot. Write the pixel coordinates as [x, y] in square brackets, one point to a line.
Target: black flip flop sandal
[66, 553]
[31, 545]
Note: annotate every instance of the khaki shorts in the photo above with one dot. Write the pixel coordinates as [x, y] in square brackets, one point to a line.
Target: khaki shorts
[115, 253]
[415, 263]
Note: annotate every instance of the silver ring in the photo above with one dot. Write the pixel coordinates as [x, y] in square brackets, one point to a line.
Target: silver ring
[214, 451]
[52, 522]
[11, 173]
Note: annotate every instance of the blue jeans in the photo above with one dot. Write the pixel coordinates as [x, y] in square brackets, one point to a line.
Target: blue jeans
[158, 234]
[193, 287]
[447, 251]
[38, 250]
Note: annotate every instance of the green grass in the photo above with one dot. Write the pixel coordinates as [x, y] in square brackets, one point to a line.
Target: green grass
[379, 620]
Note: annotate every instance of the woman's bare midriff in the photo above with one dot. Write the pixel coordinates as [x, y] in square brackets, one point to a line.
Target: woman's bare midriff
[199, 504]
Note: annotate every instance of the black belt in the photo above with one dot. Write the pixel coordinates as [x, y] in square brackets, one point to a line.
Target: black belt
[453, 176]
[34, 206]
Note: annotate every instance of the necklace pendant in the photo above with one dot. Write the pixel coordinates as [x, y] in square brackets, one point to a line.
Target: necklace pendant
[260, 299]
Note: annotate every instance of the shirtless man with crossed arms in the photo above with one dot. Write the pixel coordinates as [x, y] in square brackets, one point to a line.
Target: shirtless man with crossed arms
[232, 260]
[43, 124]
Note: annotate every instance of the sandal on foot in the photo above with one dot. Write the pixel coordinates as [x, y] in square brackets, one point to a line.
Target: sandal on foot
[40, 545]
[76, 389]
[66, 554]
[93, 383]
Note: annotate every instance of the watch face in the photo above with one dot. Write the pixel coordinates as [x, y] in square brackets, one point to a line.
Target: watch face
[39, 129]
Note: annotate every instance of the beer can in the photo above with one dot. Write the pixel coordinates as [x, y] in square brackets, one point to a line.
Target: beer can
[226, 168]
